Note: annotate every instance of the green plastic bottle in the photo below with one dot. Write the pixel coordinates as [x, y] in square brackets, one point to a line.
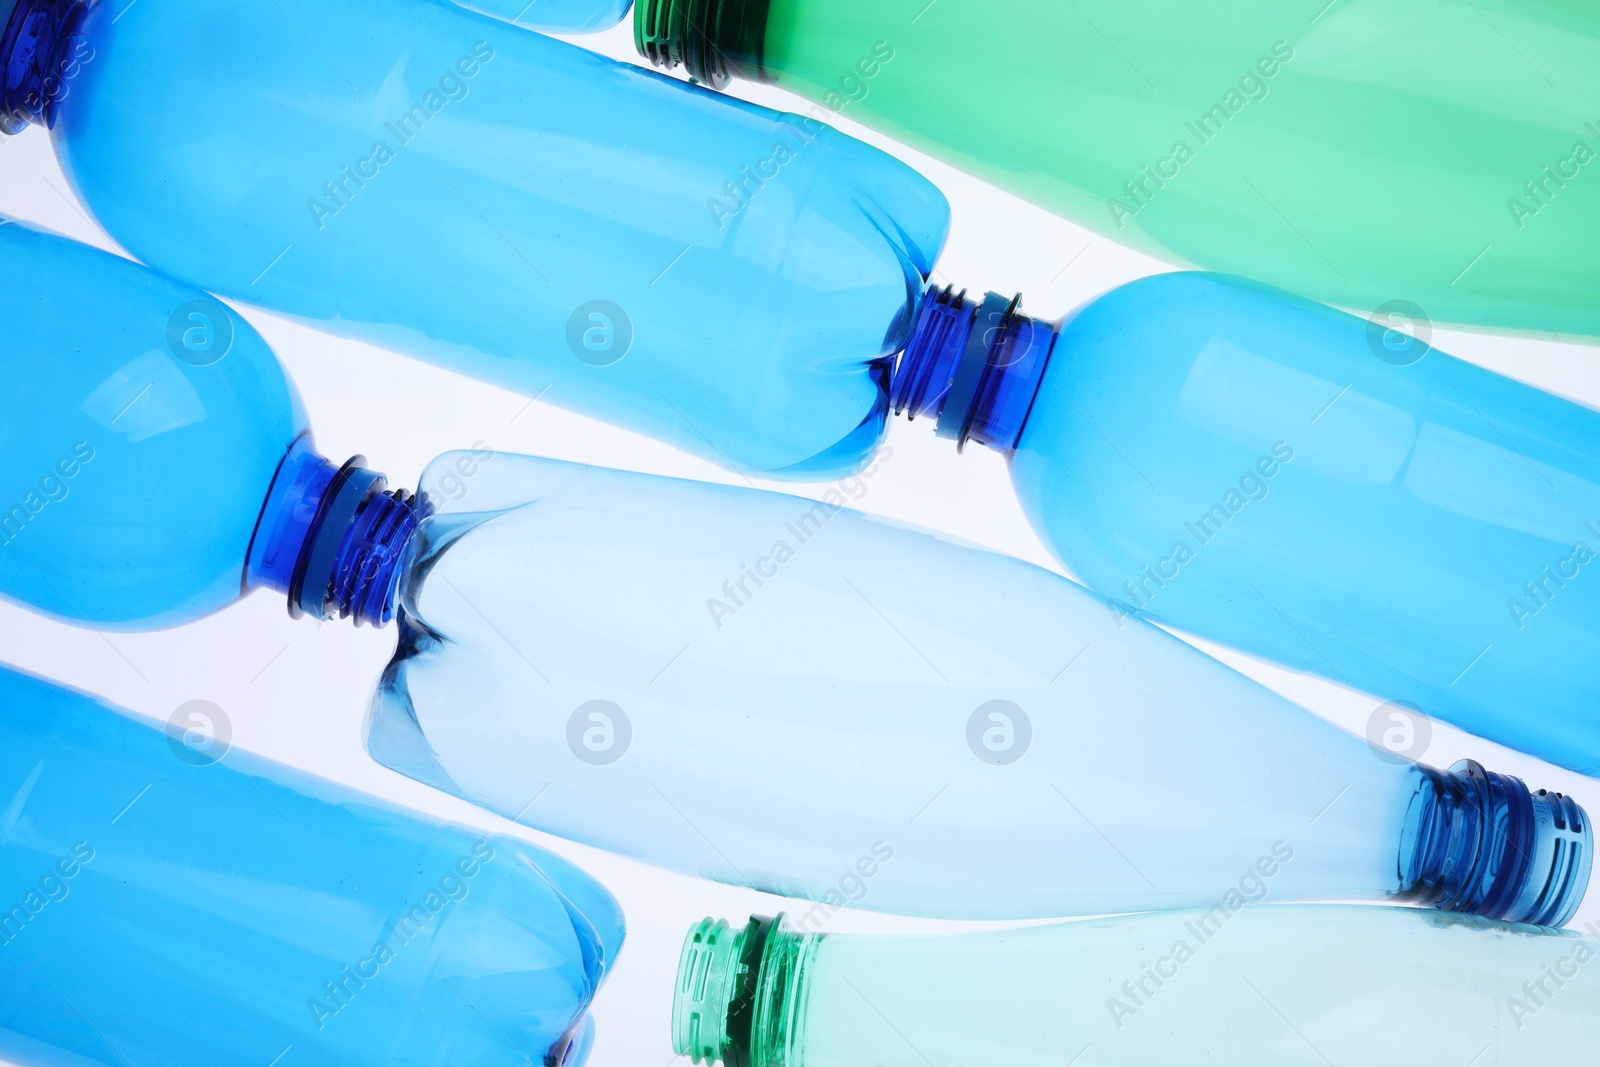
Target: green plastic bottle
[1441, 153]
[1235, 985]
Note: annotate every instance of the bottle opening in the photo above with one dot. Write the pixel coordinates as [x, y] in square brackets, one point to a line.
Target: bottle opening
[35, 63]
[715, 993]
[1481, 843]
[714, 41]
[332, 539]
[739, 992]
[972, 366]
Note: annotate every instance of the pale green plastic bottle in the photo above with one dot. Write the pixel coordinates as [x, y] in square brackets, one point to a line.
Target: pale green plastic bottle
[1361, 152]
[1237, 985]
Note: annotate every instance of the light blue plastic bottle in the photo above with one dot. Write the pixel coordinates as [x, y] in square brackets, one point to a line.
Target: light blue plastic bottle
[794, 696]
[770, 691]
[162, 905]
[1302, 484]
[727, 278]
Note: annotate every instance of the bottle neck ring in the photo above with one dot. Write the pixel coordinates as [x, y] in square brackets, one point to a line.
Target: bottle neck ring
[333, 539]
[714, 41]
[972, 366]
[1482, 843]
[34, 66]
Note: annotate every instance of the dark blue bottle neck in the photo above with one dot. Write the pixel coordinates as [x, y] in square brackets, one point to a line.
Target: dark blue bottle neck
[333, 539]
[36, 59]
[972, 366]
[1481, 843]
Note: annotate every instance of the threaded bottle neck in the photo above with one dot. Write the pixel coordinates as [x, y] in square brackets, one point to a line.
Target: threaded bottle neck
[714, 41]
[972, 366]
[36, 59]
[333, 539]
[1481, 843]
[738, 992]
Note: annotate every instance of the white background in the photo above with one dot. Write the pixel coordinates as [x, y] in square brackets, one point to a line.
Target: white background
[296, 691]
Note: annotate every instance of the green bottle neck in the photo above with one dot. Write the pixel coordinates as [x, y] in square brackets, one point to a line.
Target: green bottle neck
[740, 993]
[714, 41]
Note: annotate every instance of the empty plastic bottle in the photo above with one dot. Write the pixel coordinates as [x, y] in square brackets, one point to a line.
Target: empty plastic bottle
[795, 696]
[554, 16]
[1299, 483]
[766, 690]
[1378, 562]
[1362, 153]
[170, 900]
[422, 177]
[1246, 986]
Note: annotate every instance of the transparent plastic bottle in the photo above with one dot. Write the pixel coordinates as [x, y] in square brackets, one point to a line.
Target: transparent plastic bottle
[1299, 483]
[770, 691]
[795, 696]
[1372, 151]
[511, 206]
[1249, 987]
[187, 904]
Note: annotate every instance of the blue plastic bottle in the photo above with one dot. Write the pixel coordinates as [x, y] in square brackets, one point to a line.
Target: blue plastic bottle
[1302, 484]
[162, 906]
[146, 455]
[431, 180]
[771, 691]
[555, 16]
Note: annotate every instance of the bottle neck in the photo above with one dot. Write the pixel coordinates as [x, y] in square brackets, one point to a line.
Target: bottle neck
[739, 992]
[972, 366]
[333, 539]
[714, 41]
[1481, 843]
[34, 65]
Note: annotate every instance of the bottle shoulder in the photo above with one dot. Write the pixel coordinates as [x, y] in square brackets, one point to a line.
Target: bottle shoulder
[144, 425]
